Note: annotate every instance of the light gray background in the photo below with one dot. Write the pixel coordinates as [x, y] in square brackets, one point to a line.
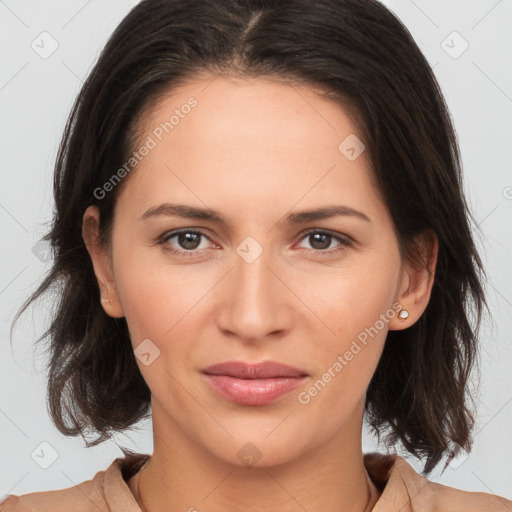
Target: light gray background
[36, 95]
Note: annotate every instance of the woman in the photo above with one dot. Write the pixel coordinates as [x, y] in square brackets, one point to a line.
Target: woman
[261, 236]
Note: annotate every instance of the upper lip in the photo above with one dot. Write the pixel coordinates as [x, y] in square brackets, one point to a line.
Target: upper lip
[263, 370]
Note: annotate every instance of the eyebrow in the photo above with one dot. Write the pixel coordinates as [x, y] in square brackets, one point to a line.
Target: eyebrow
[192, 212]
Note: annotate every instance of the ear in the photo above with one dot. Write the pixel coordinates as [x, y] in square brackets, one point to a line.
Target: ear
[102, 263]
[417, 280]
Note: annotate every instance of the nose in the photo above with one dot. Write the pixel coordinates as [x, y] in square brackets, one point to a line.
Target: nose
[254, 302]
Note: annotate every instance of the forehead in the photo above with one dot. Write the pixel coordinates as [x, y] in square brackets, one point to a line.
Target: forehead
[249, 141]
[261, 110]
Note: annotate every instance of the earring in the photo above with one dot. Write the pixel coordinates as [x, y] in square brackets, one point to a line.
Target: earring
[106, 301]
[403, 314]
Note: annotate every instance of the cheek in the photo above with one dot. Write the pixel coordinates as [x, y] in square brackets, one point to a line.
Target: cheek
[164, 303]
[153, 300]
[349, 301]
[355, 306]
[158, 307]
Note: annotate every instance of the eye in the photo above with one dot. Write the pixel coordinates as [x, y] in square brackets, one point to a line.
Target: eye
[187, 241]
[321, 240]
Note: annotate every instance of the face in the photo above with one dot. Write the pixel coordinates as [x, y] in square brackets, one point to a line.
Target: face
[256, 282]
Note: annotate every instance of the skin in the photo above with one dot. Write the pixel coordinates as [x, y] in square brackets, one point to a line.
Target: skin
[255, 151]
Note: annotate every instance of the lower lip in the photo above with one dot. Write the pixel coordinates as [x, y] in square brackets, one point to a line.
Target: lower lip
[253, 391]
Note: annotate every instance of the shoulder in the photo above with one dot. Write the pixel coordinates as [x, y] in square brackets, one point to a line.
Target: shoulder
[106, 491]
[454, 499]
[405, 490]
[83, 497]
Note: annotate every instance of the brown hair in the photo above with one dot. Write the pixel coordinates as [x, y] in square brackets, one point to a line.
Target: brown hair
[359, 54]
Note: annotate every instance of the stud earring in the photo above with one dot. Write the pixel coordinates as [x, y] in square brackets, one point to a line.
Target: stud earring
[403, 314]
[106, 301]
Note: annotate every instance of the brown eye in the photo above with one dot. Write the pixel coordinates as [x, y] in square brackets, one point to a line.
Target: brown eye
[189, 241]
[321, 241]
[186, 241]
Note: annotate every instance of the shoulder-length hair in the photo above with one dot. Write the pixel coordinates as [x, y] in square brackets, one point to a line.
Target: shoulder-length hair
[357, 53]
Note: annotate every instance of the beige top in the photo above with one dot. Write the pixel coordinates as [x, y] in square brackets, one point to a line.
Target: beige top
[401, 488]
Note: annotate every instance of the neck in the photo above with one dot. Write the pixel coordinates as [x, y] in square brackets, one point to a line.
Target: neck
[180, 476]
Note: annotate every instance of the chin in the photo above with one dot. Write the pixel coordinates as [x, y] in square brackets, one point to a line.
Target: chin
[254, 448]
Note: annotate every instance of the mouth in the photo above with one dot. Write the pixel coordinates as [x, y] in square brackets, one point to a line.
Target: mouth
[253, 384]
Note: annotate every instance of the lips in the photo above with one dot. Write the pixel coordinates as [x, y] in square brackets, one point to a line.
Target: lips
[264, 370]
[253, 384]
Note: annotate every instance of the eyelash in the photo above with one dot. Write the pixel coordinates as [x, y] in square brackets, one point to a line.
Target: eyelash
[344, 241]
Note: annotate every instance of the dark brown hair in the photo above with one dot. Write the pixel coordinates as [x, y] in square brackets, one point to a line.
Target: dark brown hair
[358, 54]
